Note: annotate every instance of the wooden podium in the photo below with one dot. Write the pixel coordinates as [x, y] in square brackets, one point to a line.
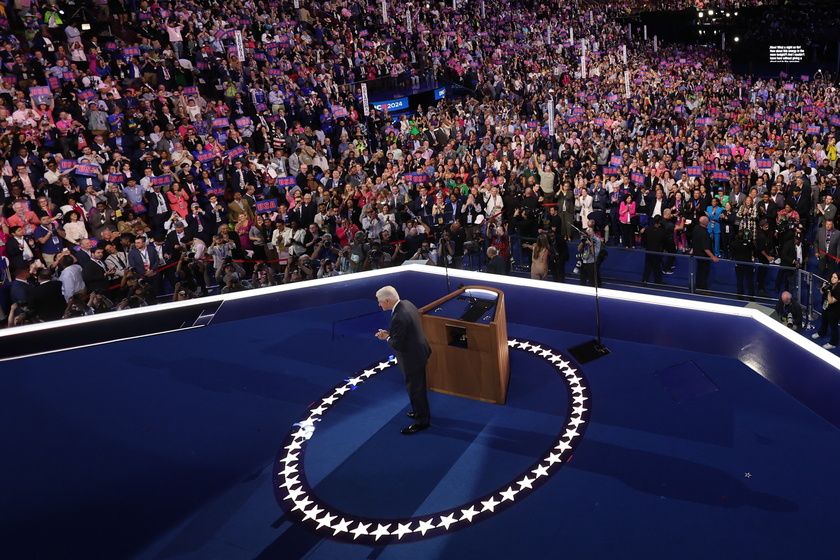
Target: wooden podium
[467, 331]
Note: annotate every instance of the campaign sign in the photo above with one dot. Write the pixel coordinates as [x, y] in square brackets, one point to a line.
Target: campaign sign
[724, 150]
[276, 72]
[236, 152]
[144, 16]
[694, 171]
[598, 121]
[54, 83]
[805, 78]
[788, 87]
[272, 118]
[220, 123]
[764, 163]
[202, 65]
[139, 208]
[637, 178]
[611, 171]
[111, 45]
[243, 122]
[116, 178]
[264, 206]
[616, 160]
[834, 120]
[66, 164]
[338, 111]
[533, 125]
[161, 181]
[813, 129]
[86, 170]
[795, 126]
[86, 95]
[733, 130]
[40, 90]
[205, 156]
[65, 76]
[190, 90]
[285, 182]
[720, 175]
[131, 51]
[218, 191]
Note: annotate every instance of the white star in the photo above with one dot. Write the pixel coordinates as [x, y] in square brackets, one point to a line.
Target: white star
[525, 483]
[424, 526]
[513, 342]
[577, 422]
[318, 411]
[553, 458]
[301, 504]
[308, 423]
[383, 365]
[555, 358]
[579, 399]
[468, 514]
[292, 446]
[293, 494]
[509, 494]
[361, 529]
[369, 372]
[312, 513]
[536, 349]
[490, 505]
[290, 458]
[547, 352]
[540, 471]
[447, 520]
[354, 380]
[747, 475]
[342, 526]
[381, 531]
[573, 379]
[330, 400]
[290, 469]
[340, 390]
[290, 481]
[570, 433]
[402, 529]
[563, 364]
[563, 446]
[326, 520]
[579, 410]
[524, 345]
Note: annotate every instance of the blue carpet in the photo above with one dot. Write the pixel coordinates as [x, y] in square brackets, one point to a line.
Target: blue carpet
[170, 454]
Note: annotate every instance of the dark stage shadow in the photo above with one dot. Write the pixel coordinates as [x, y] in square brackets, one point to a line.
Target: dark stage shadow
[673, 478]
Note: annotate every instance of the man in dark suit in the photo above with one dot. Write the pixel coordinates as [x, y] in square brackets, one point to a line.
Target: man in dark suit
[702, 244]
[95, 272]
[495, 263]
[47, 301]
[143, 259]
[827, 246]
[405, 336]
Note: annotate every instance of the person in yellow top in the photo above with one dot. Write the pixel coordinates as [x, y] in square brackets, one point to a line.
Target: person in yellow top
[831, 151]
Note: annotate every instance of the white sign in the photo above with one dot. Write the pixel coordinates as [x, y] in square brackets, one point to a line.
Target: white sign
[240, 47]
[365, 104]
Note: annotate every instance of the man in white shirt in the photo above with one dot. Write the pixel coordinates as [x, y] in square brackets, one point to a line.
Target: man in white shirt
[71, 279]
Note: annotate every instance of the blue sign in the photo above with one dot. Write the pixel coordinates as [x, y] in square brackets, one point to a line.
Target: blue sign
[440, 93]
[393, 105]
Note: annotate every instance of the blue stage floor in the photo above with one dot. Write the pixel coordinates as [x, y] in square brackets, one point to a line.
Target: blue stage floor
[174, 454]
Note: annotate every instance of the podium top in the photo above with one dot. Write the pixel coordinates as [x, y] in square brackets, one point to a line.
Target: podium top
[470, 304]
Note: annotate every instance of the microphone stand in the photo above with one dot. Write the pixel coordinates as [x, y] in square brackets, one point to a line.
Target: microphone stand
[593, 349]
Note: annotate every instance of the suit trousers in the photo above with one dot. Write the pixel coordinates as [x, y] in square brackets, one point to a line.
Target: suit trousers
[415, 386]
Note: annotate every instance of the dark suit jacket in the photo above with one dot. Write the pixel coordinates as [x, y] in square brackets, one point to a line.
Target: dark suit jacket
[407, 339]
[48, 301]
[834, 246]
[135, 259]
[14, 252]
[497, 265]
[94, 276]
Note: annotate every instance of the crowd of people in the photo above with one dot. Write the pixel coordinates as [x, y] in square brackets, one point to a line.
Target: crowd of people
[220, 147]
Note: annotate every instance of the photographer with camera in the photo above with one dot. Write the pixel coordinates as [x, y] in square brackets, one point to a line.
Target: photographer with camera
[743, 253]
[831, 311]
[589, 249]
[788, 311]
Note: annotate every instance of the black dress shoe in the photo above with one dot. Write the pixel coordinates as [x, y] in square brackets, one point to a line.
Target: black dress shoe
[413, 429]
[411, 414]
